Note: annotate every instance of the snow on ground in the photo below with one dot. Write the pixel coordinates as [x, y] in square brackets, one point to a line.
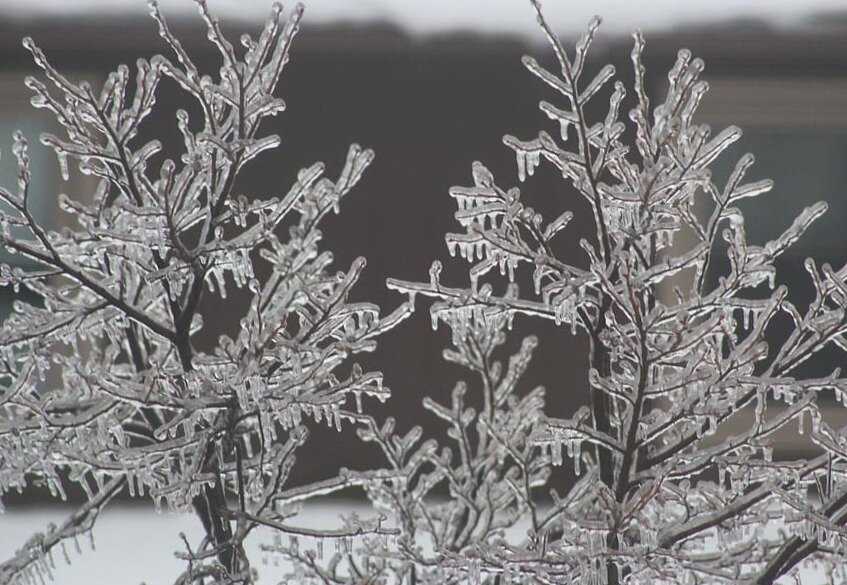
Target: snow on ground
[134, 544]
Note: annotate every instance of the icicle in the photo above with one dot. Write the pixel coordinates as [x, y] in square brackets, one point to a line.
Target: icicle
[242, 394]
[573, 318]
[474, 572]
[533, 159]
[216, 278]
[434, 273]
[556, 452]
[248, 445]
[520, 156]
[63, 163]
[576, 456]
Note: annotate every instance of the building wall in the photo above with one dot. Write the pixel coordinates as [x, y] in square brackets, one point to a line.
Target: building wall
[429, 108]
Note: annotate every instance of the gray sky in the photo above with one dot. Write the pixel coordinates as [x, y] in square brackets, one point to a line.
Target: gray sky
[427, 16]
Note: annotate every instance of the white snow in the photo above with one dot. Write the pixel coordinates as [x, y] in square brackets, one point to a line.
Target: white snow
[134, 544]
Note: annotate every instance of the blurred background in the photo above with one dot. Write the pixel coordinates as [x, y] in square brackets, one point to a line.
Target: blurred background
[432, 87]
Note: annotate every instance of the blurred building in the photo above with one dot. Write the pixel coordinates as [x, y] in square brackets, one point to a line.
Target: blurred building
[429, 106]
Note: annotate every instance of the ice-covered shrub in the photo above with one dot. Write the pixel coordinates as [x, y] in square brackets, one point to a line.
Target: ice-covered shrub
[679, 475]
[677, 307]
[102, 384]
[453, 494]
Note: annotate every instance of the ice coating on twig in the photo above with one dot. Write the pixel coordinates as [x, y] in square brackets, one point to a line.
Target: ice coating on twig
[678, 307]
[104, 386]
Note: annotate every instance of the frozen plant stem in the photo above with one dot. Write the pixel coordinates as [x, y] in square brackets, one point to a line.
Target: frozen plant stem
[677, 341]
[103, 385]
